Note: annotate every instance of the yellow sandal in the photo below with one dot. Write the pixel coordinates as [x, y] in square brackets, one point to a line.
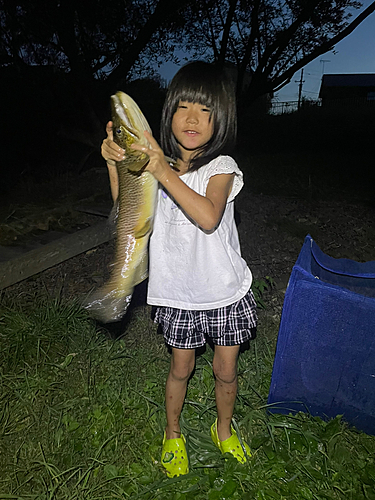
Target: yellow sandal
[231, 445]
[174, 457]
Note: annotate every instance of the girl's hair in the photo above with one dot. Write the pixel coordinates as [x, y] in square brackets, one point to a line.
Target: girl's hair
[206, 84]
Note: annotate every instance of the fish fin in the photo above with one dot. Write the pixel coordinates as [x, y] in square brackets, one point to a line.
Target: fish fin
[106, 305]
[144, 230]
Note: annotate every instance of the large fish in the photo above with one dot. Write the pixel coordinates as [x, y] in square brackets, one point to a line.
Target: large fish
[133, 213]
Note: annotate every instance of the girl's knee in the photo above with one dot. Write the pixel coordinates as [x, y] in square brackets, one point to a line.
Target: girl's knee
[182, 366]
[180, 373]
[225, 372]
[225, 363]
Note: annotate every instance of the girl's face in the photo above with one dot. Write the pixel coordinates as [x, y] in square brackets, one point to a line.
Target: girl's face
[192, 127]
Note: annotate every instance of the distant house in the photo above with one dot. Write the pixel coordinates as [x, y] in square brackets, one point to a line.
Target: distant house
[348, 89]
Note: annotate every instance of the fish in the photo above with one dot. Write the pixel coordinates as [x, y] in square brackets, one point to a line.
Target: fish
[133, 214]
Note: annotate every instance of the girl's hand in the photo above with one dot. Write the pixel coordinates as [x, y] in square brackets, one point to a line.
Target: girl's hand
[157, 165]
[111, 152]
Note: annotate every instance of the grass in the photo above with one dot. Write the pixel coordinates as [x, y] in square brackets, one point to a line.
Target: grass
[82, 417]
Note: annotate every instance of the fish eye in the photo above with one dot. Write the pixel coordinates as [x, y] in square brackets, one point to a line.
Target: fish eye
[118, 131]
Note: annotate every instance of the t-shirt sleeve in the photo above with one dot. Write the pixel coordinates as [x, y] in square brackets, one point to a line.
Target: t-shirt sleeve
[225, 165]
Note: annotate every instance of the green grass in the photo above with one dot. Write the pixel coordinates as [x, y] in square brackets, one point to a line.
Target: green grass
[82, 417]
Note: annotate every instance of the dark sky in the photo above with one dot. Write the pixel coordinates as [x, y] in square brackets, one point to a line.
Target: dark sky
[354, 54]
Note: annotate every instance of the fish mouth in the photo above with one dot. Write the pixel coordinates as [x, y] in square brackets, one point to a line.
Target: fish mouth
[127, 116]
[123, 113]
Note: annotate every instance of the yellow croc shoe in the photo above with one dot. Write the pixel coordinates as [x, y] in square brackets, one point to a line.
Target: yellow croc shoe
[231, 445]
[174, 458]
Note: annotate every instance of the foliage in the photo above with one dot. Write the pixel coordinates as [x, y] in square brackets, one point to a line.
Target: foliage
[265, 42]
[82, 418]
[97, 40]
[88, 38]
[259, 286]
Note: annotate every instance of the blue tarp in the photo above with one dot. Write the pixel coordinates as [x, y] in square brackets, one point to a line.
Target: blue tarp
[325, 356]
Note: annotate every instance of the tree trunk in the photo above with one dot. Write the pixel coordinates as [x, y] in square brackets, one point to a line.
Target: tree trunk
[226, 31]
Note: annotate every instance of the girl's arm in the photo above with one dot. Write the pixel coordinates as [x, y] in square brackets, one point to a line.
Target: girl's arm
[111, 152]
[207, 210]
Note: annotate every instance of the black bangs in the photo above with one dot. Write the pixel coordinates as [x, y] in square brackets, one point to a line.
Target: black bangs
[195, 95]
[209, 86]
[197, 82]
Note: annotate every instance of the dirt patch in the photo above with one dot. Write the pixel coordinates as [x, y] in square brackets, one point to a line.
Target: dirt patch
[272, 231]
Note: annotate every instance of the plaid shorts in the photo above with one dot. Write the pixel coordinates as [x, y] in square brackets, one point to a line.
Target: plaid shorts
[227, 326]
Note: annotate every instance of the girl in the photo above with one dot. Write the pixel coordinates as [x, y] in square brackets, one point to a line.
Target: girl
[197, 277]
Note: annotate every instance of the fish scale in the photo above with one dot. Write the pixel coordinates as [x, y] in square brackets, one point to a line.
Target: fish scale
[133, 214]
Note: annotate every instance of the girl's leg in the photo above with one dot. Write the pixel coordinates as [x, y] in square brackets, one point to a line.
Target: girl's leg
[225, 371]
[182, 365]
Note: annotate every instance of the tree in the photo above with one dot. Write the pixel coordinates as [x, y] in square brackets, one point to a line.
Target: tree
[90, 39]
[97, 41]
[268, 39]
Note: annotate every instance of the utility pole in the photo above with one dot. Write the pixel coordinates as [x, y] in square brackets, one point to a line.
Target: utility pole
[301, 82]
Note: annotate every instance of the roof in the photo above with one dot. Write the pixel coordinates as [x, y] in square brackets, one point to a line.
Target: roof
[349, 80]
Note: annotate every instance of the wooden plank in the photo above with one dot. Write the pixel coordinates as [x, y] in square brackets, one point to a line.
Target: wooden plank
[40, 259]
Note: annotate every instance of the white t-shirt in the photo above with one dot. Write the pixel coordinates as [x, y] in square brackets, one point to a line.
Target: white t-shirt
[190, 268]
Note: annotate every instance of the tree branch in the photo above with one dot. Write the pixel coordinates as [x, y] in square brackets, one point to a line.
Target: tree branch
[226, 31]
[254, 34]
[284, 79]
[211, 35]
[284, 37]
[164, 10]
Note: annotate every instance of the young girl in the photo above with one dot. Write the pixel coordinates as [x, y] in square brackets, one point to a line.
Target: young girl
[197, 277]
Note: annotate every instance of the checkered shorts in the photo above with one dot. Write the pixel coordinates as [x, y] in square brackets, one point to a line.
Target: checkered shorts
[228, 326]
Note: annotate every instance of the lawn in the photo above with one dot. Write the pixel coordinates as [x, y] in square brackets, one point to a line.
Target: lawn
[82, 417]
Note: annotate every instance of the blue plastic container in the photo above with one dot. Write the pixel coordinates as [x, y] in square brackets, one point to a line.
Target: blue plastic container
[325, 356]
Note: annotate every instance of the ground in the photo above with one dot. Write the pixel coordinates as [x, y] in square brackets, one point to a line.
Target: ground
[272, 230]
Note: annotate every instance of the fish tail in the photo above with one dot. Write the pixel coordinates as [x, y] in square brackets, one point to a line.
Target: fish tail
[107, 305]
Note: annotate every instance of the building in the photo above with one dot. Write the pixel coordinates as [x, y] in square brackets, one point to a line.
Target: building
[348, 89]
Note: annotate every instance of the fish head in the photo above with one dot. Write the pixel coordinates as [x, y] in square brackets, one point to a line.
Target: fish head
[129, 125]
